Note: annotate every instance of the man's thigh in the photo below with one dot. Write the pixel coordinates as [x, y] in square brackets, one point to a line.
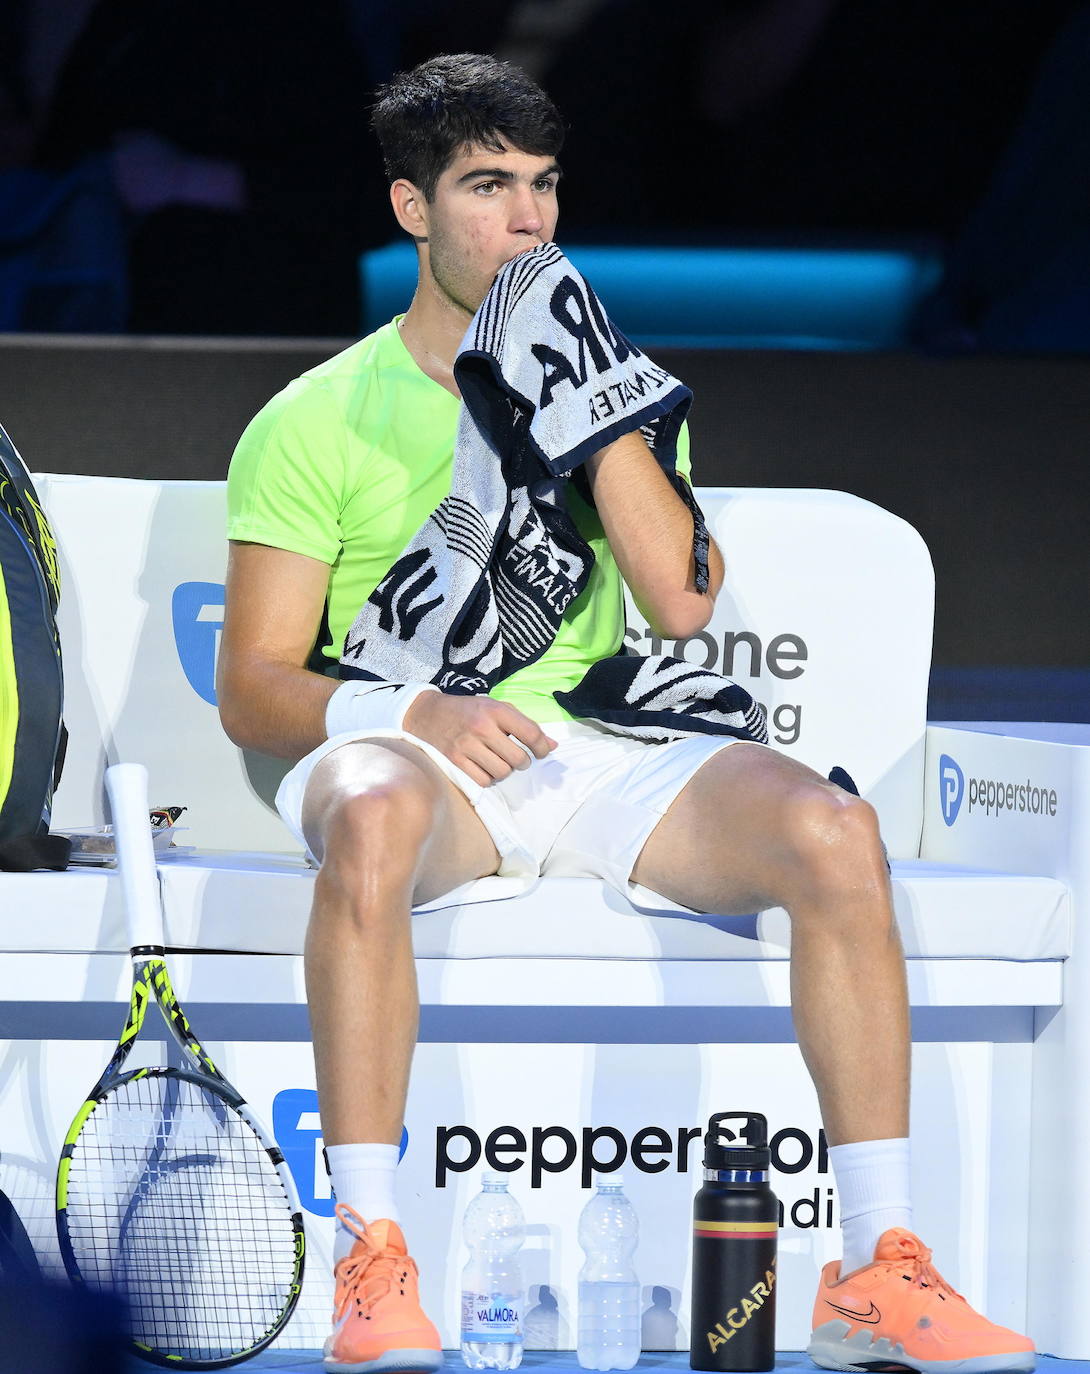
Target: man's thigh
[725, 841]
[458, 847]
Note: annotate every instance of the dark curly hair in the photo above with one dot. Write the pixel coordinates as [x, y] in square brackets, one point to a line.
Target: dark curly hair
[424, 118]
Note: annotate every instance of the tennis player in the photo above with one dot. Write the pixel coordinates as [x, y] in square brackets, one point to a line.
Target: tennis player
[329, 482]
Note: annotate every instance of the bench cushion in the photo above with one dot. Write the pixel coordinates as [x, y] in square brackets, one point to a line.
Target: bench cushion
[258, 903]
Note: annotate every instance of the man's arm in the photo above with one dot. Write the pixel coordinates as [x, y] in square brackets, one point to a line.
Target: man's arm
[650, 532]
[270, 701]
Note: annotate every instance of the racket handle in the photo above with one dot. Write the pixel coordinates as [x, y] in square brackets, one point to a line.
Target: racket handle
[127, 788]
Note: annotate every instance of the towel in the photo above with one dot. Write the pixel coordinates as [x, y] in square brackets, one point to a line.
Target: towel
[480, 590]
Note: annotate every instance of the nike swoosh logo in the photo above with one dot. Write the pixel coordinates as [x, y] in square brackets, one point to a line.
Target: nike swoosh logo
[872, 1314]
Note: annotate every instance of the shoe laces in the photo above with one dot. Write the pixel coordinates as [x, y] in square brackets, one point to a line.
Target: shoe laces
[367, 1277]
[913, 1261]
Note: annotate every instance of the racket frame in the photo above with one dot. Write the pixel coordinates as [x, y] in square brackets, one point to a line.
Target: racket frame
[151, 983]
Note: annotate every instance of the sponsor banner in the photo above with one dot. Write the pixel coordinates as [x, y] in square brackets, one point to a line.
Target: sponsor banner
[996, 800]
[196, 613]
[633, 1111]
[995, 795]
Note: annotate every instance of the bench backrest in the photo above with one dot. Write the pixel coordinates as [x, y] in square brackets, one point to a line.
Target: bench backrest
[826, 617]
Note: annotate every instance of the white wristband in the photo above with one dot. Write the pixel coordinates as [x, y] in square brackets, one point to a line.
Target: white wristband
[358, 705]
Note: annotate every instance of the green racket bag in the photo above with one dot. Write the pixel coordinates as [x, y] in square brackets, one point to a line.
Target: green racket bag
[32, 734]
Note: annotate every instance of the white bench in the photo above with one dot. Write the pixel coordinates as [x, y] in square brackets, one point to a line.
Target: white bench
[565, 1022]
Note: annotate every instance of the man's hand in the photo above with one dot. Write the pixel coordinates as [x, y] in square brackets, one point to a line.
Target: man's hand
[485, 738]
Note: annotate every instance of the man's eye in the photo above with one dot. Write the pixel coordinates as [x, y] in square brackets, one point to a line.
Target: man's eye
[486, 186]
[545, 184]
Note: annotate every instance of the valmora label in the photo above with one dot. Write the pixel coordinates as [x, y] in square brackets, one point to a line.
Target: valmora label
[735, 1318]
[490, 1318]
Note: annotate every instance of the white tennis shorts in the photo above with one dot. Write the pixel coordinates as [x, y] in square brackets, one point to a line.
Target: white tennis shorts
[584, 811]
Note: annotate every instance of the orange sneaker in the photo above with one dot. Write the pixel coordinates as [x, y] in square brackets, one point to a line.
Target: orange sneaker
[378, 1323]
[899, 1312]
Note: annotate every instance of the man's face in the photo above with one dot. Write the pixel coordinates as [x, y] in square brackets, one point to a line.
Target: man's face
[488, 207]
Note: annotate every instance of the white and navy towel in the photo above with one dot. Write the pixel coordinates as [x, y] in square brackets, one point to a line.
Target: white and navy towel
[479, 592]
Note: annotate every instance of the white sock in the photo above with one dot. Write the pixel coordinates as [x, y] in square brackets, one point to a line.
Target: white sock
[363, 1179]
[872, 1181]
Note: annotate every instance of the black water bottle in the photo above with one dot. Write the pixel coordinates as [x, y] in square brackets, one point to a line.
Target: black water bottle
[735, 1225]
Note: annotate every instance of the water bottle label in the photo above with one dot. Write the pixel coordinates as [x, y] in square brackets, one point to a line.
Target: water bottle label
[490, 1318]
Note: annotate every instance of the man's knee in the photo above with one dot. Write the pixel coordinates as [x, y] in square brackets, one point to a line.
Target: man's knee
[835, 843]
[376, 833]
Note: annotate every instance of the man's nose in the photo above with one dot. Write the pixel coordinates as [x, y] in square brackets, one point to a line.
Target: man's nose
[526, 216]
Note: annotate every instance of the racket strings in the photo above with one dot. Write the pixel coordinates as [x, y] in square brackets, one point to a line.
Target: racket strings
[174, 1202]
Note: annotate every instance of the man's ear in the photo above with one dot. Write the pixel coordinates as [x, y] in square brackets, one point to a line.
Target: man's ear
[410, 209]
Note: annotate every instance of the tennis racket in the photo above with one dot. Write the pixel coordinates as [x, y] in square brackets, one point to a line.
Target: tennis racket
[168, 1191]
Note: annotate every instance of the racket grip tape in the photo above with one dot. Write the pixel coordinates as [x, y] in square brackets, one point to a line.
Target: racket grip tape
[127, 788]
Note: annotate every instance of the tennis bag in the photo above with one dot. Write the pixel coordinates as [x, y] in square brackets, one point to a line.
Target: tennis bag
[32, 735]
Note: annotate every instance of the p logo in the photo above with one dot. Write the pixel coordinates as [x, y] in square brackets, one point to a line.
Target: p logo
[298, 1131]
[951, 788]
[197, 613]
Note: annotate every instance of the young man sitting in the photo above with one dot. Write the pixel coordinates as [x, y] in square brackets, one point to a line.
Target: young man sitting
[330, 482]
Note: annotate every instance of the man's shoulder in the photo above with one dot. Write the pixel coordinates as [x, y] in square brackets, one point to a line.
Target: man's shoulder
[379, 351]
[325, 394]
[355, 368]
[300, 454]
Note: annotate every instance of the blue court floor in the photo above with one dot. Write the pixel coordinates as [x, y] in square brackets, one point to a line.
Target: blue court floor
[564, 1362]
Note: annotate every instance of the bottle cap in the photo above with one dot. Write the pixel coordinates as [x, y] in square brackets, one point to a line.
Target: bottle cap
[745, 1148]
[609, 1180]
[492, 1178]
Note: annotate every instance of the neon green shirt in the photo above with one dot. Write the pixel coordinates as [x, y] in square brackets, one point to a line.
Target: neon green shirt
[348, 461]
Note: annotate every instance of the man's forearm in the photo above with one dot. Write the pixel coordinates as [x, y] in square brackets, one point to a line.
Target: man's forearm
[275, 708]
[650, 532]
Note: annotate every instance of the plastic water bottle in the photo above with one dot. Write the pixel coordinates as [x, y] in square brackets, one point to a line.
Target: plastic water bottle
[609, 1292]
[492, 1293]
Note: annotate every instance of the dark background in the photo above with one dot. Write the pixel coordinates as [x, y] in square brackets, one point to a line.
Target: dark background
[986, 457]
[234, 141]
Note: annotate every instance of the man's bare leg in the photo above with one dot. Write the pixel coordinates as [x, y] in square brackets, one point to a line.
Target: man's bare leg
[389, 830]
[792, 839]
[755, 829]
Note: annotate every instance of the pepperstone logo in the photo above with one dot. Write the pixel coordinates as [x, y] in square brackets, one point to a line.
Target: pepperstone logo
[595, 1150]
[601, 1150]
[951, 788]
[297, 1129]
[991, 795]
[1027, 798]
[197, 615]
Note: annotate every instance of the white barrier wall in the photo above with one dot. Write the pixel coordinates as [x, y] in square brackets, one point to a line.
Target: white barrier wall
[840, 657]
[1017, 798]
[547, 1111]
